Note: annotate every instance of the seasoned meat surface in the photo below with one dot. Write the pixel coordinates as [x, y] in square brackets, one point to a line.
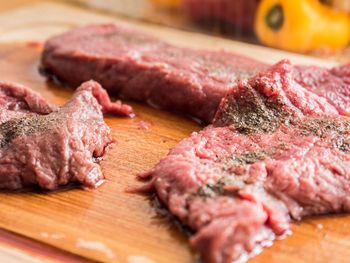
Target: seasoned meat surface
[140, 67]
[276, 152]
[137, 66]
[332, 84]
[49, 146]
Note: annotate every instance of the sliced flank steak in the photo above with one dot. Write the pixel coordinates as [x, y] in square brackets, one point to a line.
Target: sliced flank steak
[49, 146]
[275, 153]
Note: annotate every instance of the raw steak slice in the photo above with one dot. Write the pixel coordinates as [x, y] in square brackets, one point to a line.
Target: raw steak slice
[49, 146]
[276, 152]
[332, 84]
[287, 95]
[140, 67]
[17, 101]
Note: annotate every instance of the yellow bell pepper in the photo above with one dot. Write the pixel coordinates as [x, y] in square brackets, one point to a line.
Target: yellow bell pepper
[167, 3]
[301, 25]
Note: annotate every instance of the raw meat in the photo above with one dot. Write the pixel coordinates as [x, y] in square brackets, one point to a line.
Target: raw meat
[275, 152]
[137, 66]
[49, 146]
[140, 67]
[332, 84]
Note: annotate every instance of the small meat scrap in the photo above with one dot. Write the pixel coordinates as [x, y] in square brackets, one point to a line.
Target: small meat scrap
[50, 146]
[276, 152]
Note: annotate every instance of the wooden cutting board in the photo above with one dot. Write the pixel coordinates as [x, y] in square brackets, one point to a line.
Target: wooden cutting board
[108, 224]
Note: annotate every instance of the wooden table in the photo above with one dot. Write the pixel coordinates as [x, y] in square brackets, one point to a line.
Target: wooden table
[8, 5]
[107, 224]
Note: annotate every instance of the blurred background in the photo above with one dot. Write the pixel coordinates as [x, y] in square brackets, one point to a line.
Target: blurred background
[315, 27]
[320, 28]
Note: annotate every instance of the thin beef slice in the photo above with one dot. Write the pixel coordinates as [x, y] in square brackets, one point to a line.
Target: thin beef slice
[332, 84]
[276, 152]
[140, 67]
[49, 146]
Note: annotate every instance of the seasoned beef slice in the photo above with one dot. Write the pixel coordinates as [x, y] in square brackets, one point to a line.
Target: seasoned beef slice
[275, 152]
[17, 101]
[49, 146]
[140, 67]
[332, 84]
[284, 98]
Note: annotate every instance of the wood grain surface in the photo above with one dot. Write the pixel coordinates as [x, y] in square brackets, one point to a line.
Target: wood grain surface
[122, 225]
[108, 224]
